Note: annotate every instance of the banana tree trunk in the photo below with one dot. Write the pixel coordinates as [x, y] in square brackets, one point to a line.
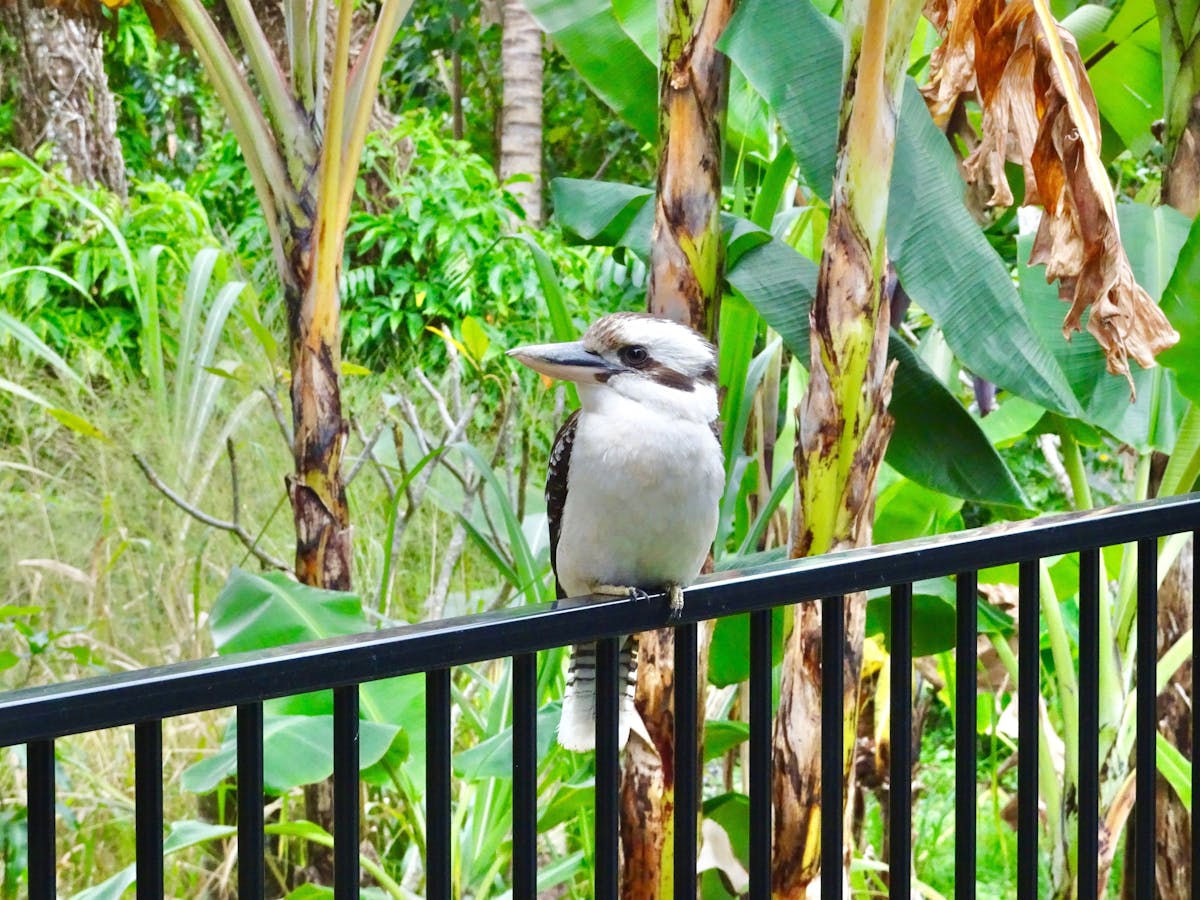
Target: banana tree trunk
[844, 426]
[686, 258]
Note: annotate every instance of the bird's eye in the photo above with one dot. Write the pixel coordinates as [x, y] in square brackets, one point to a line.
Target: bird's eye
[634, 355]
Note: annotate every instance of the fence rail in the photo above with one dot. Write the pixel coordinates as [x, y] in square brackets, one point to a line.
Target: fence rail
[37, 717]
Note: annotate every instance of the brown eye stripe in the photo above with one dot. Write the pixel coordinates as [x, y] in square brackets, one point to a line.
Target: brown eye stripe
[669, 377]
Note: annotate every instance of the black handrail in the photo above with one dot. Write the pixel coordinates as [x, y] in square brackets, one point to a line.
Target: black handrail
[37, 716]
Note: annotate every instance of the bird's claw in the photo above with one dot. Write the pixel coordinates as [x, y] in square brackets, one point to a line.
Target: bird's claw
[675, 593]
[637, 594]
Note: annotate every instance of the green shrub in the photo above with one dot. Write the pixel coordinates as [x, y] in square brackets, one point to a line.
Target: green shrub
[429, 245]
[78, 266]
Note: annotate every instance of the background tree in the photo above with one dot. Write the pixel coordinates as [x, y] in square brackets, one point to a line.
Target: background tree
[521, 114]
[52, 64]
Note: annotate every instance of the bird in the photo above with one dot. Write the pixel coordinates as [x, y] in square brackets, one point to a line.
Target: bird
[634, 481]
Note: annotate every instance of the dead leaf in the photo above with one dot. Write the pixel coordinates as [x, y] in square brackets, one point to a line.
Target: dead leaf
[1039, 111]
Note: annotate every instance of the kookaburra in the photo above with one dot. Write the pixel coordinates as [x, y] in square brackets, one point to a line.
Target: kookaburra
[636, 476]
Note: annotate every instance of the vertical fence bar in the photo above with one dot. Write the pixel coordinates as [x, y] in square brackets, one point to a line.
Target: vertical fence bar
[1028, 731]
[901, 736]
[687, 781]
[524, 810]
[1089, 721]
[39, 758]
[833, 726]
[607, 771]
[252, 867]
[437, 784]
[345, 793]
[966, 702]
[1195, 721]
[1147, 719]
[760, 754]
[148, 808]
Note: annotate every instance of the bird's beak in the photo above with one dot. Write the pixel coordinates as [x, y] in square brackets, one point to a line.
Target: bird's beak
[569, 361]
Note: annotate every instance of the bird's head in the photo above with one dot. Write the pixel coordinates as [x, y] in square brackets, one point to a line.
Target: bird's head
[635, 357]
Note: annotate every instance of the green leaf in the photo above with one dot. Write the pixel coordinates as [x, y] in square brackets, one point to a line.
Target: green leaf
[722, 735]
[552, 292]
[729, 654]
[926, 415]
[933, 616]
[569, 801]
[492, 758]
[1123, 55]
[905, 509]
[792, 55]
[604, 213]
[589, 35]
[475, 339]
[1181, 303]
[1175, 768]
[254, 612]
[78, 424]
[950, 270]
[183, 834]
[296, 750]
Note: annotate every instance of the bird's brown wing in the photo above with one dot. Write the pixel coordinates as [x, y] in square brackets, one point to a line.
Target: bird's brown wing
[556, 489]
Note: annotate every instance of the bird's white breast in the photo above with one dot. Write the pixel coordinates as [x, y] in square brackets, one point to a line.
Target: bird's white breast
[642, 497]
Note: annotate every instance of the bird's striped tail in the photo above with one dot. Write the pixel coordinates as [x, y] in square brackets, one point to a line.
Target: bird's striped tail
[577, 727]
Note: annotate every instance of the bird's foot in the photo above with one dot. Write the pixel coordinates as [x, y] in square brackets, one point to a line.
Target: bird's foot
[616, 590]
[675, 593]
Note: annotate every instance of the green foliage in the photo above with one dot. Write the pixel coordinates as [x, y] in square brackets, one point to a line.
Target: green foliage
[424, 251]
[164, 105]
[91, 277]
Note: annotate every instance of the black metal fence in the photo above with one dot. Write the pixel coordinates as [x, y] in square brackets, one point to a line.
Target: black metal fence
[36, 717]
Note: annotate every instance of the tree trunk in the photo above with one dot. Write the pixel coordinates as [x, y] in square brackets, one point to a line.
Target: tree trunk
[55, 68]
[685, 285]
[1181, 179]
[1173, 823]
[843, 423]
[521, 116]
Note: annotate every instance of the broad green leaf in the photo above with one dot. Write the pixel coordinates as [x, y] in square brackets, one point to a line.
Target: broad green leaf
[253, 612]
[589, 35]
[1011, 420]
[792, 55]
[927, 414]
[1122, 52]
[112, 888]
[492, 758]
[905, 510]
[732, 812]
[729, 654]
[950, 270]
[1153, 237]
[722, 735]
[296, 750]
[1181, 303]
[604, 213]
[933, 616]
